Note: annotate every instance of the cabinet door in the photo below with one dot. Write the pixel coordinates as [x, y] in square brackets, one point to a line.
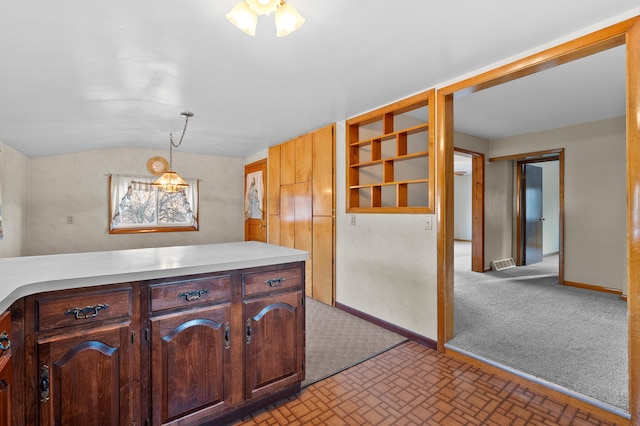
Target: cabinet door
[190, 364]
[5, 369]
[85, 378]
[274, 350]
[5, 391]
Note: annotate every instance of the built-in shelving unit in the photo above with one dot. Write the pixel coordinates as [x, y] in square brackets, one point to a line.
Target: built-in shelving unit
[389, 169]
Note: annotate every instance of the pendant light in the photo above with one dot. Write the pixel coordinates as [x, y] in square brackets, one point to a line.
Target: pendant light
[171, 181]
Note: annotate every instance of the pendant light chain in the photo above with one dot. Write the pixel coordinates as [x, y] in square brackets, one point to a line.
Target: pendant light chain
[172, 144]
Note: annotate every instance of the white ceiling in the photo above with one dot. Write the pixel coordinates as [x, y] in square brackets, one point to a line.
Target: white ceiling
[79, 75]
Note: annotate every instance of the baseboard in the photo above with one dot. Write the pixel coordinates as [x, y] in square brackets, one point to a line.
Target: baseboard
[597, 408]
[415, 337]
[594, 288]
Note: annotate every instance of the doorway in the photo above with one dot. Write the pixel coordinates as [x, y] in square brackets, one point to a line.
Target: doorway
[616, 35]
[255, 189]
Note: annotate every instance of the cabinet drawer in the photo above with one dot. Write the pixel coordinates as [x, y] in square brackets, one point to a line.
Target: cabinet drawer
[82, 307]
[188, 292]
[273, 280]
[5, 334]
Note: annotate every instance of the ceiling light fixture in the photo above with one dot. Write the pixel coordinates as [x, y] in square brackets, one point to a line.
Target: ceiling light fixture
[245, 16]
[170, 181]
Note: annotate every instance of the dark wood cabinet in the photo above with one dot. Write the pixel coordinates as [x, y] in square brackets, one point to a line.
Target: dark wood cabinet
[190, 365]
[187, 350]
[5, 369]
[273, 359]
[85, 377]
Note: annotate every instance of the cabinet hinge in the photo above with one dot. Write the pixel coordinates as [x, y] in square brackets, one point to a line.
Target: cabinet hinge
[146, 334]
[133, 338]
[303, 300]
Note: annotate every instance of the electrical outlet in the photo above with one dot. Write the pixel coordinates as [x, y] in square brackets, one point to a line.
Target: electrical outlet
[69, 220]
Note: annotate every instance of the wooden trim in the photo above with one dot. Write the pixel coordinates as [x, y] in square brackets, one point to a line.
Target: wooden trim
[633, 216]
[415, 337]
[589, 44]
[518, 201]
[530, 156]
[561, 224]
[593, 287]
[444, 210]
[626, 32]
[540, 388]
[477, 209]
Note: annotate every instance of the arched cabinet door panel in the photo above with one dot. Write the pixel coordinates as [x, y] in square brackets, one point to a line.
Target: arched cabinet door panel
[274, 342]
[85, 377]
[190, 364]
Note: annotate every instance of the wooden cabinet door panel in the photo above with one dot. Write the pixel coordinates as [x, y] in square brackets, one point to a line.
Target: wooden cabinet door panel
[287, 216]
[323, 165]
[89, 377]
[190, 364]
[274, 353]
[288, 163]
[303, 158]
[5, 391]
[322, 260]
[273, 180]
[303, 234]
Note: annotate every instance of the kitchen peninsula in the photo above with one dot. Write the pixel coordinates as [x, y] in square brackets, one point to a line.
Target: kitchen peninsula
[179, 335]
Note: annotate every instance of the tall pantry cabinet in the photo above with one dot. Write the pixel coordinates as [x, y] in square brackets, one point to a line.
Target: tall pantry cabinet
[301, 205]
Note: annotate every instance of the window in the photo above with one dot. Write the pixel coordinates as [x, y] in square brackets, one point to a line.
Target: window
[136, 206]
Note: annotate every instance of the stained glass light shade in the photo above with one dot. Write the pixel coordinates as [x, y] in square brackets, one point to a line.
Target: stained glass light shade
[170, 182]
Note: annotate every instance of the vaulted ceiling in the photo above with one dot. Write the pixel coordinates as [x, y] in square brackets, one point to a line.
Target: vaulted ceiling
[79, 75]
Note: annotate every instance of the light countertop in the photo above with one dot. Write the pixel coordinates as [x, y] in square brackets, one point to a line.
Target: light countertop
[23, 276]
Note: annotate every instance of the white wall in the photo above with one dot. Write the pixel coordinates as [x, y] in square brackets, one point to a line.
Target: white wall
[76, 185]
[462, 220]
[14, 187]
[385, 263]
[594, 195]
[550, 206]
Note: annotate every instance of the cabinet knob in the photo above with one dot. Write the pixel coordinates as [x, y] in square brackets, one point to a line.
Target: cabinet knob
[5, 343]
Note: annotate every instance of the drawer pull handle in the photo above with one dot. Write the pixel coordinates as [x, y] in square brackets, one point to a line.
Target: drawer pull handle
[44, 384]
[193, 294]
[87, 311]
[5, 343]
[275, 282]
[227, 335]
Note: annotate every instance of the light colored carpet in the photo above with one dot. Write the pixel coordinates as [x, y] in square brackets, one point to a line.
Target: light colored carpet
[337, 340]
[523, 318]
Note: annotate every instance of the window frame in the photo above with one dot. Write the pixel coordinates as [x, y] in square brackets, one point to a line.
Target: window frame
[156, 228]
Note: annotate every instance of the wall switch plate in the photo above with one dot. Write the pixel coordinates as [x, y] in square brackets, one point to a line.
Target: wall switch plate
[427, 223]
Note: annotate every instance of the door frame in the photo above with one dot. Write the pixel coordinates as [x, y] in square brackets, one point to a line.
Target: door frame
[477, 208]
[538, 157]
[256, 166]
[623, 33]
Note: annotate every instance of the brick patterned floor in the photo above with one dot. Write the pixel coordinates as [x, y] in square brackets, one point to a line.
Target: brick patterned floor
[414, 385]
